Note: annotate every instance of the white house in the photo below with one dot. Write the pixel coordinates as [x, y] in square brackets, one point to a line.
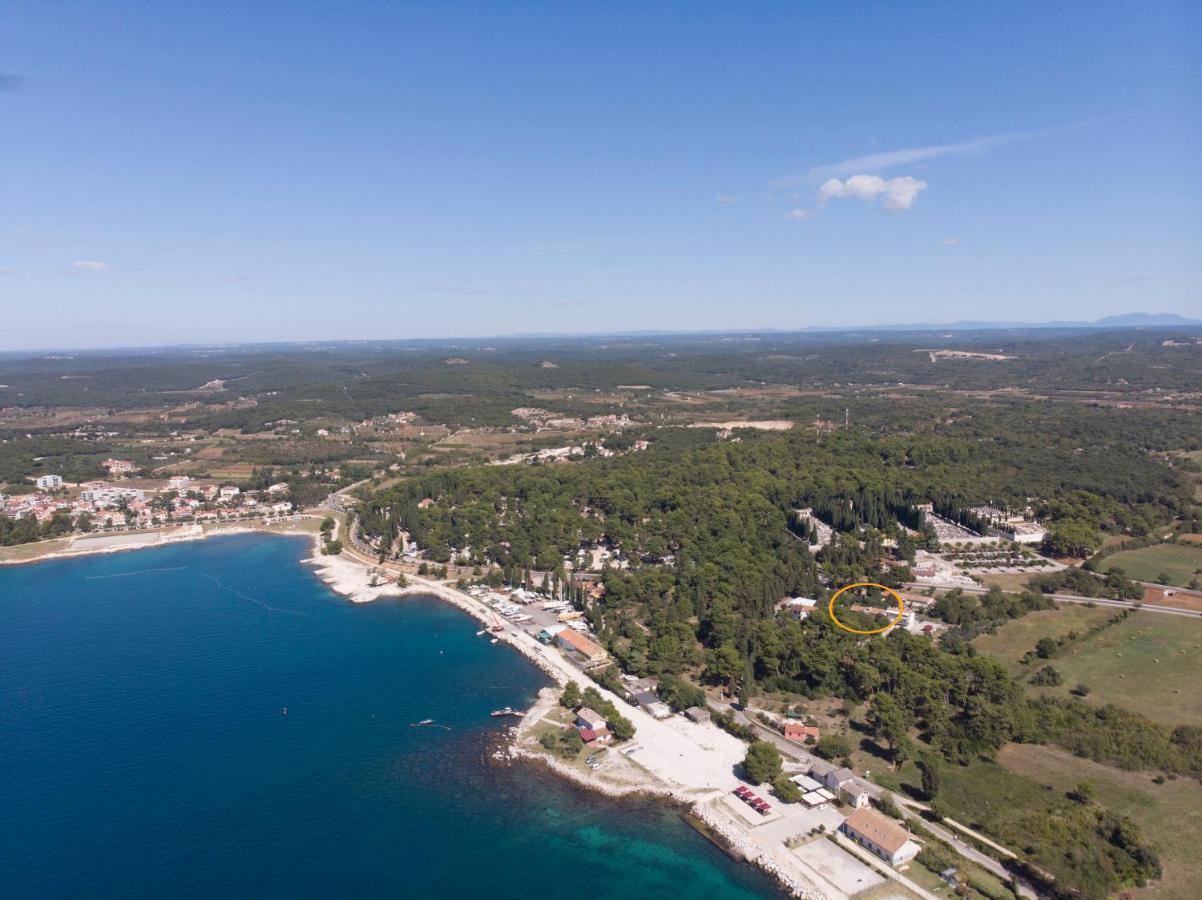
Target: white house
[1023, 532]
[799, 607]
[880, 835]
[652, 705]
[50, 482]
[856, 793]
[587, 718]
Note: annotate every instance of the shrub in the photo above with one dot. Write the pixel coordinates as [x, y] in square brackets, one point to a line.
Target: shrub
[832, 746]
[785, 789]
[1047, 677]
[566, 742]
[885, 804]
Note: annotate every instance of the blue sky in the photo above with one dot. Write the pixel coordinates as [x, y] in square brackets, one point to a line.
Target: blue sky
[210, 171]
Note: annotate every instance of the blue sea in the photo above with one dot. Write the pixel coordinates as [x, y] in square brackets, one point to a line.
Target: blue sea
[145, 750]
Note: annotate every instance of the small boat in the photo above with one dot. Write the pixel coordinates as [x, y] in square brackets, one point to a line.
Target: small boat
[507, 711]
[423, 722]
[481, 631]
[494, 640]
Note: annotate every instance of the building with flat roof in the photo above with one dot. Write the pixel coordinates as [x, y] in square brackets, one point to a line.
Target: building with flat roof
[806, 783]
[880, 835]
[549, 633]
[652, 705]
[49, 482]
[1022, 532]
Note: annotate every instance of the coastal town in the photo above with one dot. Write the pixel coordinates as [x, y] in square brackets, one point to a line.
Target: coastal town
[127, 502]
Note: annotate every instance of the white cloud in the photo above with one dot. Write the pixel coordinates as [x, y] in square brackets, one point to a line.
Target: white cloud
[89, 265]
[890, 159]
[951, 241]
[798, 215]
[895, 194]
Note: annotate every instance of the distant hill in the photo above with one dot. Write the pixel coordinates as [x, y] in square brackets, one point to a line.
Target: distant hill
[1123, 320]
[1139, 320]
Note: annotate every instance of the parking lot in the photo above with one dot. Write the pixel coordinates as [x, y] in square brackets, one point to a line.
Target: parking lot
[838, 867]
[530, 612]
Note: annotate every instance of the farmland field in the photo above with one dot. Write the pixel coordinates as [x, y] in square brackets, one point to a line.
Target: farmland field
[1170, 814]
[1178, 561]
[1147, 663]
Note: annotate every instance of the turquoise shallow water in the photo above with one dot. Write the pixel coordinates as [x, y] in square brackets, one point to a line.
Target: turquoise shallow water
[144, 751]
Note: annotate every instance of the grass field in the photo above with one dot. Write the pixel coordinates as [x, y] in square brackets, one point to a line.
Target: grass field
[1179, 562]
[1015, 582]
[1148, 663]
[233, 471]
[1015, 638]
[23, 552]
[1170, 814]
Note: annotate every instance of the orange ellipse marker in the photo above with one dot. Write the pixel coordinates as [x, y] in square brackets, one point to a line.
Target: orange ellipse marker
[901, 607]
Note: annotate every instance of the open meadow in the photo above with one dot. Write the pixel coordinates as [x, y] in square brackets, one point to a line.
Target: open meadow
[1179, 562]
[1170, 814]
[1018, 636]
[1147, 663]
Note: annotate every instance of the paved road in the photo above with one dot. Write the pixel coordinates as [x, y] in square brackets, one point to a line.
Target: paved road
[792, 751]
[334, 500]
[963, 848]
[1072, 598]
